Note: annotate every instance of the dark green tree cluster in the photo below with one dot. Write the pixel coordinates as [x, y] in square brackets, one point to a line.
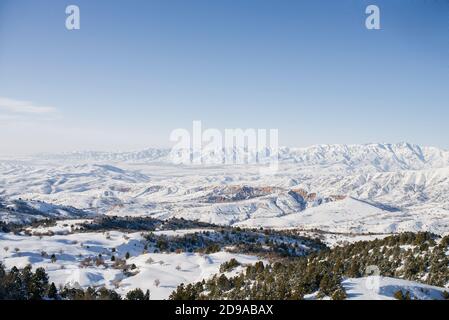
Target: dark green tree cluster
[132, 224]
[69, 293]
[278, 281]
[137, 294]
[267, 243]
[411, 256]
[25, 284]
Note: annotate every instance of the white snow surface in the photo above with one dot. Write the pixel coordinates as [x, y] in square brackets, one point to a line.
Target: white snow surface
[388, 187]
[384, 288]
[169, 269]
[350, 192]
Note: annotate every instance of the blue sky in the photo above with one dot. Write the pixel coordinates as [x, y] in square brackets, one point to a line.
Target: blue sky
[139, 69]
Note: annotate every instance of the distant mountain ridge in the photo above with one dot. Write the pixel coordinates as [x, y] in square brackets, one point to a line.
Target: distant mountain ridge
[379, 157]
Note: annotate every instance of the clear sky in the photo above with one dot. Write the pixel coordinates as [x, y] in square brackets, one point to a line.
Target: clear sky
[139, 69]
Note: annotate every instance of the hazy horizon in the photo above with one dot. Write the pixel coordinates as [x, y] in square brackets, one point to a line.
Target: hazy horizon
[133, 74]
[8, 156]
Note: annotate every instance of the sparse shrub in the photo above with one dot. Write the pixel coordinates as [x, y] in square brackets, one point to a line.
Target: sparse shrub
[339, 294]
[149, 260]
[445, 295]
[86, 262]
[229, 265]
[99, 262]
[399, 295]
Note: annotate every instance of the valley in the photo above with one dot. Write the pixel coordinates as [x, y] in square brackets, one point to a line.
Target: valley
[134, 220]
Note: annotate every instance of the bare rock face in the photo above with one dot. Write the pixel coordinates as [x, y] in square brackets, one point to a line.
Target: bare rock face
[312, 197]
[305, 195]
[337, 197]
[237, 193]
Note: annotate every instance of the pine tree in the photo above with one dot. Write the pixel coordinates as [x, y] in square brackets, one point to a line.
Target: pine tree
[26, 277]
[39, 284]
[52, 292]
[325, 285]
[136, 294]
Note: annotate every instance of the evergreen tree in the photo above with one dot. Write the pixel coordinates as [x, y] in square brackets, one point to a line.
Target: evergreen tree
[105, 294]
[52, 292]
[39, 284]
[136, 294]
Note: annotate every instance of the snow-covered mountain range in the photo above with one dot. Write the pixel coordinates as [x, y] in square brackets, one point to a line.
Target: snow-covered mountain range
[341, 188]
[378, 157]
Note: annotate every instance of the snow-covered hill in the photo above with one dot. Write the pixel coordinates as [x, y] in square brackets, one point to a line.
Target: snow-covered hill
[161, 273]
[356, 188]
[21, 211]
[345, 216]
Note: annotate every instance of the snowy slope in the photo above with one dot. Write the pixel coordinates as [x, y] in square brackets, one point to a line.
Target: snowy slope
[384, 288]
[72, 250]
[354, 216]
[25, 211]
[393, 187]
[346, 216]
